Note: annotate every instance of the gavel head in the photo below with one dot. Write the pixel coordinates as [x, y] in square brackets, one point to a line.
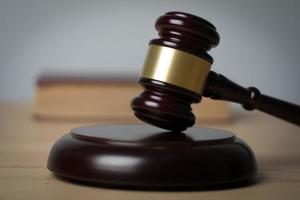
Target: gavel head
[175, 71]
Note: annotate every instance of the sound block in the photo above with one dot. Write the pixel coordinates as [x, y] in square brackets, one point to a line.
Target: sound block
[143, 156]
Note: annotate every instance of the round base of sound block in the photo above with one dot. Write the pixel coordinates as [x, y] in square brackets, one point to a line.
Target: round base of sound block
[144, 156]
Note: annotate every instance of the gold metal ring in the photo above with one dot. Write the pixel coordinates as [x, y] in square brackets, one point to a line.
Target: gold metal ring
[176, 67]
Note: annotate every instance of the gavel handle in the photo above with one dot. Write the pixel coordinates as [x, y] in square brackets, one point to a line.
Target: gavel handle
[221, 88]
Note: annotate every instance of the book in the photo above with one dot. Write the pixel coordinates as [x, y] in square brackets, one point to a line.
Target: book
[66, 97]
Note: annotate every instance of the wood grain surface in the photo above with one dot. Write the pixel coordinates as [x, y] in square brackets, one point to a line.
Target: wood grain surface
[25, 144]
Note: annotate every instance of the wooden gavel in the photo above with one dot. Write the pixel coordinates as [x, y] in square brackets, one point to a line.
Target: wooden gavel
[176, 73]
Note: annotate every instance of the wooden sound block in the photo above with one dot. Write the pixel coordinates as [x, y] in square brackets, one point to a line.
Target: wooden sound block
[144, 156]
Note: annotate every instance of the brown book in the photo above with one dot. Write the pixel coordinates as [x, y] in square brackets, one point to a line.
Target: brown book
[85, 97]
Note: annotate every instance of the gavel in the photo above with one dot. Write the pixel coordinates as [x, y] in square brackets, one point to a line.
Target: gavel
[176, 73]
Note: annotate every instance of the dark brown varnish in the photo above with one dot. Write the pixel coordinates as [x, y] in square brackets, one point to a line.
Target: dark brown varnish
[165, 105]
[169, 107]
[145, 157]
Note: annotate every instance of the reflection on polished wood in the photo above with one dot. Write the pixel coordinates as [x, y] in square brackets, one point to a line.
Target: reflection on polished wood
[146, 157]
[25, 144]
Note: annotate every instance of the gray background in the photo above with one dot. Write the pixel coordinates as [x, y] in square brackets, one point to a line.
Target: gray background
[259, 40]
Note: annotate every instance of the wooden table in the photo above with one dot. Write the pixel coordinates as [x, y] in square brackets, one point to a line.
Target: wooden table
[25, 144]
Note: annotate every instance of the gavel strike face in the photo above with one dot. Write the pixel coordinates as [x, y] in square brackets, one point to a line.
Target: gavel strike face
[176, 73]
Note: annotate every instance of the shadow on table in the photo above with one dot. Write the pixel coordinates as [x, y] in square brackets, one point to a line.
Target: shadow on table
[257, 180]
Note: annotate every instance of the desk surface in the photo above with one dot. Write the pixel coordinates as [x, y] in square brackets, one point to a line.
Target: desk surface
[25, 144]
